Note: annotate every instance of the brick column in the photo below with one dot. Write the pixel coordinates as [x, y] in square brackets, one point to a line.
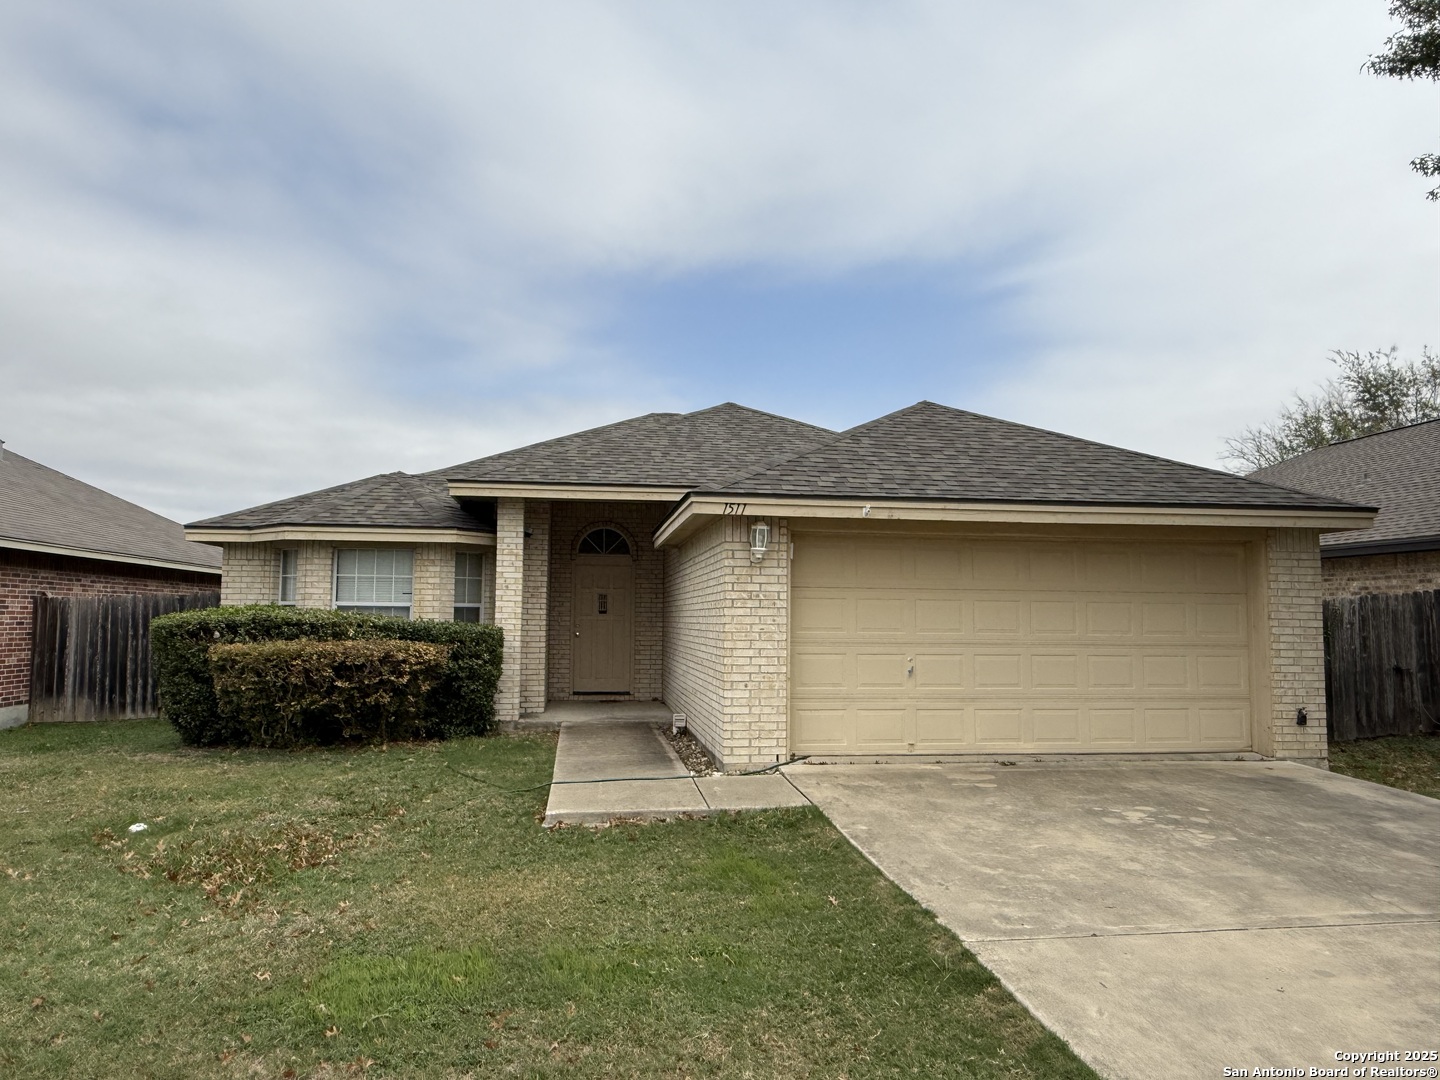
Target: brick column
[1296, 646]
[510, 603]
[757, 647]
[533, 643]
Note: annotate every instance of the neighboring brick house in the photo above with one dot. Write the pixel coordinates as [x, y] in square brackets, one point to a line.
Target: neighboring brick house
[1398, 471]
[62, 537]
[931, 584]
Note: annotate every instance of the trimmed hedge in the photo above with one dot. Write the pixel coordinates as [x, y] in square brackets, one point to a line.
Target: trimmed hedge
[462, 702]
[306, 693]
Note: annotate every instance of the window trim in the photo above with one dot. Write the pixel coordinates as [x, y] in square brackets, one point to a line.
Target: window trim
[337, 605]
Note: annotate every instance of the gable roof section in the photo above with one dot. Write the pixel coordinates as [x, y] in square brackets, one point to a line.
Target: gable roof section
[394, 500]
[45, 510]
[663, 450]
[930, 451]
[1398, 471]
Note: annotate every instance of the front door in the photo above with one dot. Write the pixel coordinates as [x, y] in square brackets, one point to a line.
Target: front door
[603, 642]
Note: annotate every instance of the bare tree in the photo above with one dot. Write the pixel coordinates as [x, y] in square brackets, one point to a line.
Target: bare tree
[1374, 391]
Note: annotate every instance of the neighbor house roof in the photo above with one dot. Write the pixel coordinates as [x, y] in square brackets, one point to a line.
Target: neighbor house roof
[45, 510]
[394, 500]
[666, 450]
[930, 451]
[1398, 471]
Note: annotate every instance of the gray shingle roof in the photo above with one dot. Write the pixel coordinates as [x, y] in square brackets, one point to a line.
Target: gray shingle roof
[1398, 471]
[930, 451]
[390, 500]
[41, 506]
[678, 450]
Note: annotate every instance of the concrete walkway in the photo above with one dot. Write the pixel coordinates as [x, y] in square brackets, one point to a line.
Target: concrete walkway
[627, 770]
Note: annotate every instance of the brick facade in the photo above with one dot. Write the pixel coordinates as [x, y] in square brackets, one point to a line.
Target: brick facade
[535, 634]
[1295, 647]
[1398, 572]
[509, 602]
[25, 575]
[252, 575]
[569, 522]
[728, 641]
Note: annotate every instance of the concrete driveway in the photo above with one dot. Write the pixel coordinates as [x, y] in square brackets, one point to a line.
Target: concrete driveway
[1172, 918]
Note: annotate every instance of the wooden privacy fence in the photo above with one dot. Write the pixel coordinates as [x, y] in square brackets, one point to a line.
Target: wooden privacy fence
[90, 655]
[1382, 665]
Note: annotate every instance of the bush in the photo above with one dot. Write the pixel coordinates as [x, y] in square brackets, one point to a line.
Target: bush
[298, 693]
[462, 702]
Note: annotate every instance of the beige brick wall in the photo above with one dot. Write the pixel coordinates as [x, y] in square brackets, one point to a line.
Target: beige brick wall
[694, 665]
[1296, 647]
[569, 521]
[534, 633]
[1399, 572]
[510, 602]
[251, 575]
[727, 642]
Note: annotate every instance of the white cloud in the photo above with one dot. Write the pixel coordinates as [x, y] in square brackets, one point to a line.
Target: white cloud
[249, 249]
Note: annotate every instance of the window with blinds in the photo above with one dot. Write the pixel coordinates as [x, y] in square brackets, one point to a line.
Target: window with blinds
[375, 581]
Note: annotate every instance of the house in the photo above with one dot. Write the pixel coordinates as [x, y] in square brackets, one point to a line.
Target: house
[62, 537]
[931, 583]
[1398, 471]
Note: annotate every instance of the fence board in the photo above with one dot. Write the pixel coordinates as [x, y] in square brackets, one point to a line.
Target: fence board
[90, 655]
[1382, 665]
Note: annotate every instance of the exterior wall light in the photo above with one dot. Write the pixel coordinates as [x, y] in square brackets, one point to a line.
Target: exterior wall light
[759, 540]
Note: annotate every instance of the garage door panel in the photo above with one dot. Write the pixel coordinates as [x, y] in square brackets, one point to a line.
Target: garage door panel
[943, 729]
[818, 671]
[819, 614]
[1055, 671]
[1057, 726]
[821, 729]
[939, 671]
[1052, 617]
[997, 616]
[998, 726]
[1017, 645]
[1114, 727]
[1168, 727]
[939, 615]
[881, 730]
[880, 671]
[879, 614]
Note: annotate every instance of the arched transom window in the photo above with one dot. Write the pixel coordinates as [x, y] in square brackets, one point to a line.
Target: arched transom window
[604, 541]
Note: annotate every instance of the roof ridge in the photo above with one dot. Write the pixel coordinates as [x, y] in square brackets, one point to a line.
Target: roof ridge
[1110, 446]
[761, 412]
[836, 436]
[1354, 439]
[85, 483]
[442, 473]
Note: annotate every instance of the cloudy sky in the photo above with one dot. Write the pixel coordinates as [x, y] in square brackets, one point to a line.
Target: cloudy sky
[250, 249]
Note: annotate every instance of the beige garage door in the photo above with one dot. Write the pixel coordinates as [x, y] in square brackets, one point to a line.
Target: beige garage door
[934, 645]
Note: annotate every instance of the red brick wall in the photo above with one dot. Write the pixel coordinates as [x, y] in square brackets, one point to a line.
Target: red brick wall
[1400, 572]
[26, 574]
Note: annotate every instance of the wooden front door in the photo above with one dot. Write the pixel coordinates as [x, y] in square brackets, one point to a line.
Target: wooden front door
[604, 624]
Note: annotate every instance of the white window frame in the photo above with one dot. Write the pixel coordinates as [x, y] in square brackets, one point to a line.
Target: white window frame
[369, 606]
[480, 605]
[291, 556]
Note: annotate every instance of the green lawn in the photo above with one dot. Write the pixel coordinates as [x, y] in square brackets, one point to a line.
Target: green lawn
[1411, 762]
[343, 912]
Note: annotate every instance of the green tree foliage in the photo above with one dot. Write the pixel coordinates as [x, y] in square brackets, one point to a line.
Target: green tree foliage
[1414, 53]
[1374, 391]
